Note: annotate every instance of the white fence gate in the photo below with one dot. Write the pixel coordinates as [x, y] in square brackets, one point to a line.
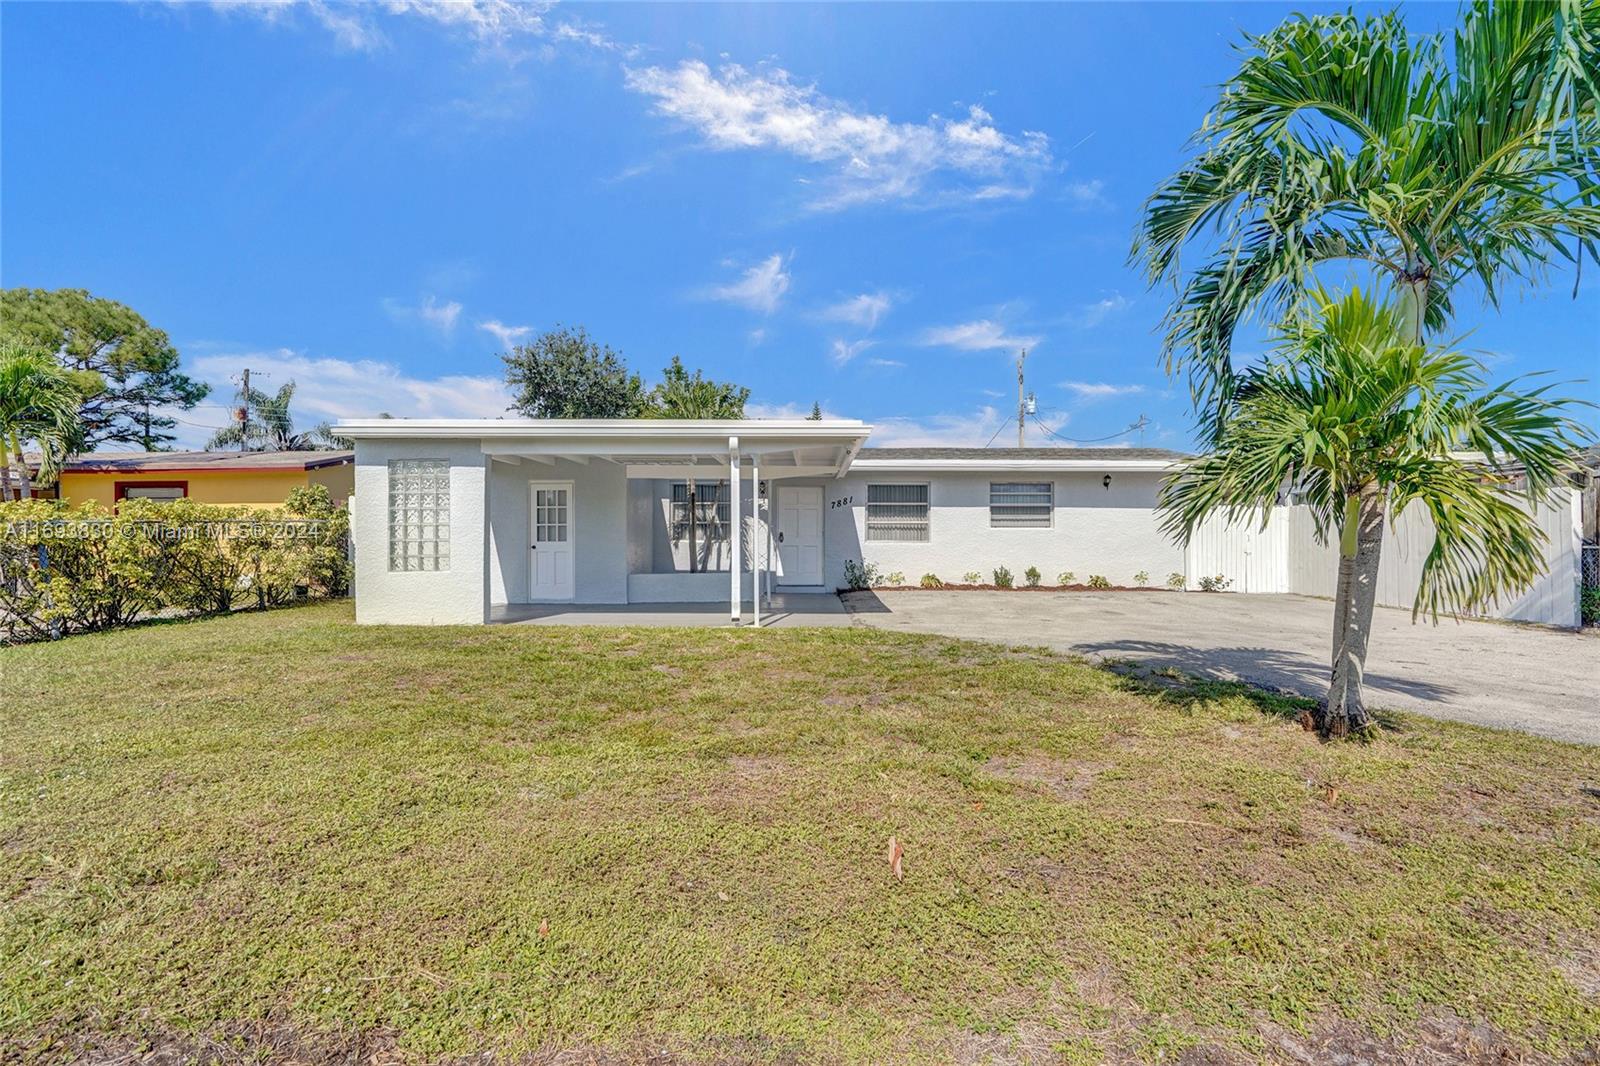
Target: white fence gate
[1286, 557]
[1253, 558]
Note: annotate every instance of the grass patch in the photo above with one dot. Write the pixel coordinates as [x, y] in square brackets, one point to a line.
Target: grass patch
[283, 831]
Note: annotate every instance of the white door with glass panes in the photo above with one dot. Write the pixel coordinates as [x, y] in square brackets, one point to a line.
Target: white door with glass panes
[800, 535]
[550, 554]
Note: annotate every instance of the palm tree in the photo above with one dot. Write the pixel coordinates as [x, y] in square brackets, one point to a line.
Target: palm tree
[1361, 421]
[1347, 140]
[39, 402]
[268, 426]
[680, 395]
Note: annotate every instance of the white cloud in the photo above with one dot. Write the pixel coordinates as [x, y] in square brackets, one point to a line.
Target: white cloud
[507, 335]
[328, 388]
[885, 364]
[983, 335]
[1099, 390]
[440, 316]
[865, 157]
[757, 409]
[494, 25]
[973, 429]
[841, 352]
[761, 288]
[864, 310]
[1092, 314]
[1086, 192]
[430, 312]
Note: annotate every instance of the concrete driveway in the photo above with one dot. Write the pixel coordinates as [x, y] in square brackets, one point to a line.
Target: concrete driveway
[1544, 681]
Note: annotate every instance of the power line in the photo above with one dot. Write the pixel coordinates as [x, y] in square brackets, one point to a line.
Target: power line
[1133, 427]
[997, 432]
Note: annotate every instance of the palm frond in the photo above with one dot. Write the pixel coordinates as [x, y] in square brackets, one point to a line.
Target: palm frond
[1343, 137]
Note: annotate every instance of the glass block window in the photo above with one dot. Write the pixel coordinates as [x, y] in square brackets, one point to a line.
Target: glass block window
[1021, 504]
[550, 516]
[712, 514]
[419, 514]
[897, 512]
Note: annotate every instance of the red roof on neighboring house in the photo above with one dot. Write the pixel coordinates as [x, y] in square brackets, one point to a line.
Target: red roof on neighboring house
[194, 462]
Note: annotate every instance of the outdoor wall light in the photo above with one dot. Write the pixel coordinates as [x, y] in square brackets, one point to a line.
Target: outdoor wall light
[1106, 481]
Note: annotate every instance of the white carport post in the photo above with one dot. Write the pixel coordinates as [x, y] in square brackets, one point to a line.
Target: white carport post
[755, 534]
[736, 522]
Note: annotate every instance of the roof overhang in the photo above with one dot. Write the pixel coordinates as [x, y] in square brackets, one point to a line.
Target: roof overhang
[792, 447]
[1041, 466]
[231, 463]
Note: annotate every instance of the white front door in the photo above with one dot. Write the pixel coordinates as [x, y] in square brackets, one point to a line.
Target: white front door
[550, 565]
[800, 535]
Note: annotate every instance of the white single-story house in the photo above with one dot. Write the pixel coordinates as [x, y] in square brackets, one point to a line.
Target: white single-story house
[466, 520]
[456, 519]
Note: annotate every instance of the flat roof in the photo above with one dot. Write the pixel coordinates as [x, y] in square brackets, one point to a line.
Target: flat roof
[649, 447]
[591, 428]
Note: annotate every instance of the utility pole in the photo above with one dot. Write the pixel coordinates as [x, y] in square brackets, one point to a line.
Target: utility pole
[1022, 403]
[242, 414]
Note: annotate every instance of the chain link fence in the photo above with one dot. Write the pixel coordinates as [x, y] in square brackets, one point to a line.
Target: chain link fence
[1589, 593]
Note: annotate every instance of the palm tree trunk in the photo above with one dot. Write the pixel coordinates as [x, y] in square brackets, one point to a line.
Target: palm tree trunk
[24, 483]
[5, 479]
[1414, 286]
[1360, 548]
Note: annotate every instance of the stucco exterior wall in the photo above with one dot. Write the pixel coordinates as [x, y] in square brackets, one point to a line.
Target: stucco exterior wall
[599, 516]
[340, 481]
[1096, 530]
[458, 595]
[254, 488]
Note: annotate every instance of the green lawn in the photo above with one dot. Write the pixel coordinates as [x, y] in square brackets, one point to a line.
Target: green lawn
[279, 832]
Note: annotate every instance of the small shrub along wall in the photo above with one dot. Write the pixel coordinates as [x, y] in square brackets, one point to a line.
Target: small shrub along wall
[66, 569]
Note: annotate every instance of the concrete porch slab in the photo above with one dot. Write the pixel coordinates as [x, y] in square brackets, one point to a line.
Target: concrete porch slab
[788, 610]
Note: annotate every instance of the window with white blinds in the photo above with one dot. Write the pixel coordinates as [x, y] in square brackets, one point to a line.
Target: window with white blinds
[712, 514]
[419, 514]
[1021, 504]
[897, 512]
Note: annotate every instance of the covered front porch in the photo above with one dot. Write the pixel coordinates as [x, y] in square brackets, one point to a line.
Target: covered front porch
[590, 514]
[781, 610]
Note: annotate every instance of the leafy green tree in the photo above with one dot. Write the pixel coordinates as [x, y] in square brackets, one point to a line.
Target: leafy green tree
[816, 412]
[680, 394]
[136, 362]
[564, 374]
[1347, 140]
[40, 402]
[268, 426]
[1362, 421]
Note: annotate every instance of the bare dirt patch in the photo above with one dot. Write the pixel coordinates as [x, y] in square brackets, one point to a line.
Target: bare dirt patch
[1438, 1038]
[1063, 779]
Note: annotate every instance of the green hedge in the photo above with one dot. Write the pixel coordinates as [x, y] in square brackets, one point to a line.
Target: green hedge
[67, 569]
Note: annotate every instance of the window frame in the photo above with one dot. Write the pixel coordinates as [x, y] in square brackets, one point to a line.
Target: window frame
[441, 524]
[926, 504]
[1020, 488]
[120, 489]
[710, 513]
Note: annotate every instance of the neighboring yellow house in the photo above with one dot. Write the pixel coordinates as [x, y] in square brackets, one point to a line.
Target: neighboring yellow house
[260, 479]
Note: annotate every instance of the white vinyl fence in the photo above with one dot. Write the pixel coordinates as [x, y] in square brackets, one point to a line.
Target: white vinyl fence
[1286, 557]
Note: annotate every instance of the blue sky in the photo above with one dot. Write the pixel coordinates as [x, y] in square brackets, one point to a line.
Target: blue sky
[870, 206]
